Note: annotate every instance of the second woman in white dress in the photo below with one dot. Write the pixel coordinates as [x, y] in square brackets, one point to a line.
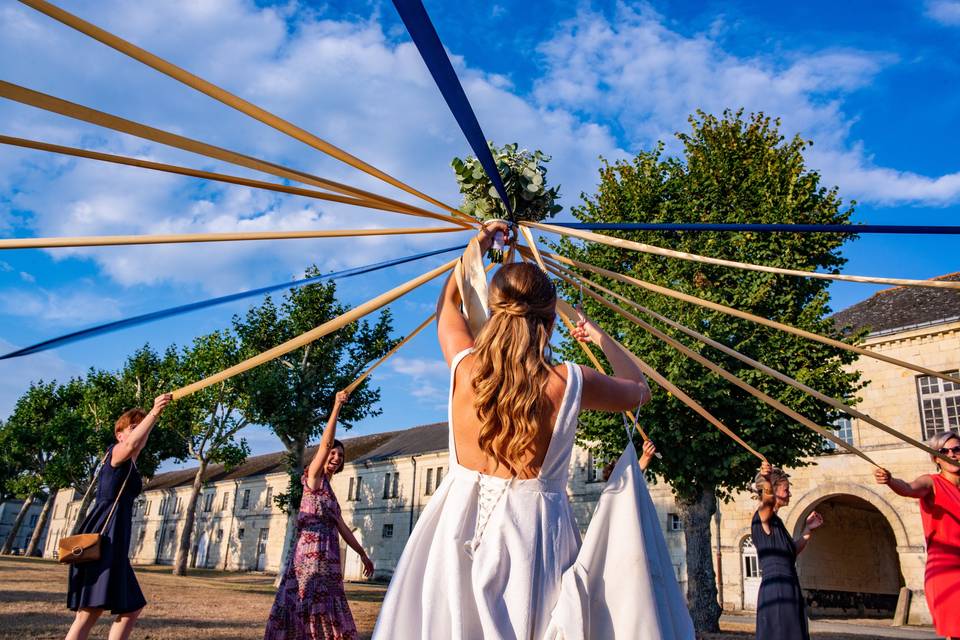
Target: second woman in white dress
[486, 556]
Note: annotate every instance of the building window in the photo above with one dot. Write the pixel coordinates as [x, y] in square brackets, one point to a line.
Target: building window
[674, 523]
[240, 534]
[939, 404]
[843, 429]
[268, 500]
[178, 506]
[388, 531]
[226, 498]
[156, 534]
[163, 507]
[350, 491]
[149, 504]
[141, 535]
[219, 535]
[208, 502]
[394, 490]
[751, 565]
[386, 485]
[428, 489]
[359, 484]
[438, 478]
[246, 499]
[595, 466]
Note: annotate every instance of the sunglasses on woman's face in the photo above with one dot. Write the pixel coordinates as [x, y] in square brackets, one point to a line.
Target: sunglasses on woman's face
[954, 450]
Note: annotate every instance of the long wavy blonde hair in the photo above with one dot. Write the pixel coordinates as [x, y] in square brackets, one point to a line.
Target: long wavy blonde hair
[512, 361]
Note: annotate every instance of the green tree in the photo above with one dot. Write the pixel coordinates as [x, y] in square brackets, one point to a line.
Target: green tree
[107, 394]
[208, 421]
[294, 394]
[732, 169]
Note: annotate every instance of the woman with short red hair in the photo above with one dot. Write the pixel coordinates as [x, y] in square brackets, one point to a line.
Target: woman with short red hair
[109, 582]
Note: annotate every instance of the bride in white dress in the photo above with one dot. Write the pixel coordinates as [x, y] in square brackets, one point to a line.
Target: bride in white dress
[486, 557]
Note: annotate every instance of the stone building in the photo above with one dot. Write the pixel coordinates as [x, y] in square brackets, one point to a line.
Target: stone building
[872, 541]
[869, 547]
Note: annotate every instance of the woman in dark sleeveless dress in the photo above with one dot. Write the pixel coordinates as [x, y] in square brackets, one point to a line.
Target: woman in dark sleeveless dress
[109, 583]
[311, 603]
[780, 607]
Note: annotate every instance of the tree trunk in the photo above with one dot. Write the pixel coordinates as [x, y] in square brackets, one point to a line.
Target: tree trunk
[41, 524]
[701, 580]
[8, 544]
[297, 471]
[186, 534]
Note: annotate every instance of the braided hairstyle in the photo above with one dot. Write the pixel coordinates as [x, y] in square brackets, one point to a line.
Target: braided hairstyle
[512, 362]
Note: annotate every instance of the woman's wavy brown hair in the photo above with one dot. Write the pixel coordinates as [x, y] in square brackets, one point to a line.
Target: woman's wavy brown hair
[512, 361]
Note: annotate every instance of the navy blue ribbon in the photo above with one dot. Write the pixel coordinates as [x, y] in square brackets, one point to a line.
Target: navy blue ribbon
[762, 228]
[116, 325]
[424, 35]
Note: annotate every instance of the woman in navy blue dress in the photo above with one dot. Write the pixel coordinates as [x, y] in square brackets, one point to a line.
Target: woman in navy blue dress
[109, 583]
[780, 607]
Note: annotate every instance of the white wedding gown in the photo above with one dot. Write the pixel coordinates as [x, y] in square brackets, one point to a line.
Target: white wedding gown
[486, 557]
[497, 559]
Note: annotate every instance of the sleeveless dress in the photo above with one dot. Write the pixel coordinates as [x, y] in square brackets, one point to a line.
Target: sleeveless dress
[940, 512]
[780, 606]
[311, 603]
[109, 583]
[486, 557]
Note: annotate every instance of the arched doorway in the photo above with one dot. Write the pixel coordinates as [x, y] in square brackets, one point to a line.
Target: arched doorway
[851, 566]
[749, 573]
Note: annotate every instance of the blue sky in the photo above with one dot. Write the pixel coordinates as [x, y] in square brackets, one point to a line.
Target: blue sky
[872, 84]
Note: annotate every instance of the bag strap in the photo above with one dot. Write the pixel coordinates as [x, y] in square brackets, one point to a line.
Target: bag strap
[95, 480]
[123, 486]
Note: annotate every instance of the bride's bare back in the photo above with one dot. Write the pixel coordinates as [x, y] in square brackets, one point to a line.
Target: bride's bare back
[466, 425]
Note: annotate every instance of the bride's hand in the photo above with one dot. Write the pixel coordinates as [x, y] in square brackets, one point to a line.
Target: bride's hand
[587, 331]
[489, 230]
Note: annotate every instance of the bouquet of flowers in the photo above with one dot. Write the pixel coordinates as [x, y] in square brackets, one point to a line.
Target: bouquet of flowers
[524, 178]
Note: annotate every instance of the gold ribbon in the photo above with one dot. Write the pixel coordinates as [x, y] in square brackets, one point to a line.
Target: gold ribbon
[350, 388]
[220, 177]
[318, 332]
[749, 316]
[660, 251]
[176, 238]
[227, 98]
[712, 366]
[759, 366]
[86, 114]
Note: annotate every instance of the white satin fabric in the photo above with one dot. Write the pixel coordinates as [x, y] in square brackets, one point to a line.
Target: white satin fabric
[487, 555]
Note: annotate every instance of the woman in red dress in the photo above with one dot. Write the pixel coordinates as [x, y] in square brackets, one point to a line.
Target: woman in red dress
[939, 497]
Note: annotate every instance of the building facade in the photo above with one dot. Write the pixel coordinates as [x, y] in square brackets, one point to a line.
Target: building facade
[872, 541]
[870, 546]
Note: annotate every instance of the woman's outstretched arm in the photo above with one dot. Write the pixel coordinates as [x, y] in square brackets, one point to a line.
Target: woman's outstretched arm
[919, 488]
[351, 541]
[315, 468]
[626, 389]
[134, 443]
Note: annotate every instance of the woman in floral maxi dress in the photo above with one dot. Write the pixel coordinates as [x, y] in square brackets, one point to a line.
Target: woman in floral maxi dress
[311, 603]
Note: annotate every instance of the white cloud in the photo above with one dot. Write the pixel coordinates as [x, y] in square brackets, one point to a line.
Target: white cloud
[27, 277]
[69, 308]
[636, 71]
[419, 367]
[427, 378]
[5, 266]
[946, 12]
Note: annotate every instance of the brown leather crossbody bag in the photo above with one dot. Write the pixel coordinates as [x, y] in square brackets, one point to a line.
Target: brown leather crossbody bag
[85, 547]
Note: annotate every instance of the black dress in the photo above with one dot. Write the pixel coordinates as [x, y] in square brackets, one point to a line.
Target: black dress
[109, 583]
[780, 607]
